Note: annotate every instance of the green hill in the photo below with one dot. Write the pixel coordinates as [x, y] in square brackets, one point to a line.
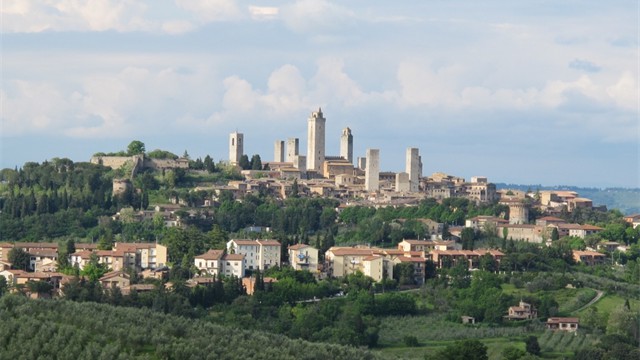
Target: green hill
[58, 329]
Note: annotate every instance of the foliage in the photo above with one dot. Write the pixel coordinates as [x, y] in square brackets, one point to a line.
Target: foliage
[136, 147]
[532, 346]
[69, 330]
[19, 259]
[464, 350]
[161, 154]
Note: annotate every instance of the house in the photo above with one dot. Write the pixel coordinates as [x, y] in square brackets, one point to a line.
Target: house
[563, 323]
[372, 262]
[217, 262]
[468, 319]
[588, 258]
[418, 264]
[634, 220]
[472, 257]
[426, 245]
[303, 257]
[258, 254]
[523, 311]
[119, 279]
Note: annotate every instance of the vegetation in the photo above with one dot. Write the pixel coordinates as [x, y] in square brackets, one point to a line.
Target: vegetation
[68, 330]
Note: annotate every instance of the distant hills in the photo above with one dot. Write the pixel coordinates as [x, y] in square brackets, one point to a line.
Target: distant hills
[624, 199]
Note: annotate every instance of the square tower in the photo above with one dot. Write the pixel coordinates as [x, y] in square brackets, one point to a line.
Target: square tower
[293, 149]
[372, 170]
[346, 145]
[278, 151]
[236, 146]
[315, 141]
[413, 168]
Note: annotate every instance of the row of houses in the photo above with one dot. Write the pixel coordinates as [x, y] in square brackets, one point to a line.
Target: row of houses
[538, 232]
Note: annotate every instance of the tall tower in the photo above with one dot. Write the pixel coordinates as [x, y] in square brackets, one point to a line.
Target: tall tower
[315, 141]
[278, 151]
[236, 146]
[346, 145]
[372, 170]
[413, 168]
[293, 149]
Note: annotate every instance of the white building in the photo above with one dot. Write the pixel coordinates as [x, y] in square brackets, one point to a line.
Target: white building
[303, 257]
[258, 254]
[216, 262]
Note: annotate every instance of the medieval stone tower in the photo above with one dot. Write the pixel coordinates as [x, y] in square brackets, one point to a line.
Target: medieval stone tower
[278, 151]
[293, 149]
[346, 145]
[518, 212]
[315, 141]
[372, 170]
[236, 147]
[413, 168]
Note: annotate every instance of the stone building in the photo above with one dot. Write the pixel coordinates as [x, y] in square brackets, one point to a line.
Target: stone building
[236, 147]
[413, 168]
[346, 145]
[293, 149]
[316, 141]
[278, 151]
[372, 170]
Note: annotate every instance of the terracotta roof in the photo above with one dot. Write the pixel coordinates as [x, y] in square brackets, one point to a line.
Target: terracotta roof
[245, 242]
[551, 218]
[557, 320]
[341, 251]
[411, 259]
[113, 274]
[85, 246]
[211, 255]
[36, 245]
[268, 242]
[298, 246]
[371, 258]
[135, 245]
[44, 252]
[234, 257]
[84, 254]
[38, 275]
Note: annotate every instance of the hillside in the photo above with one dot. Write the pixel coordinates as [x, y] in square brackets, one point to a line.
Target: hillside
[623, 199]
[37, 329]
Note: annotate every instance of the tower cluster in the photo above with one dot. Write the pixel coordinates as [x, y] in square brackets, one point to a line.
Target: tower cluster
[316, 163]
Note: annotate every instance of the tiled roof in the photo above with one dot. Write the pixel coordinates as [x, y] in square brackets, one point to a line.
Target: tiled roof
[211, 255]
[268, 242]
[234, 257]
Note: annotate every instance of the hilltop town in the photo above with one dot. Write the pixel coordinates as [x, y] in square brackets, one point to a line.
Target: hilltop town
[269, 245]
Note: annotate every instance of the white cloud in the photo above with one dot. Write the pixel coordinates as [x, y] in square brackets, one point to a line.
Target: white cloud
[316, 16]
[263, 12]
[175, 27]
[211, 10]
[73, 15]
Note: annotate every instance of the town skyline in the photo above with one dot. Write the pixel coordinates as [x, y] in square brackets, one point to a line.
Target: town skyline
[526, 93]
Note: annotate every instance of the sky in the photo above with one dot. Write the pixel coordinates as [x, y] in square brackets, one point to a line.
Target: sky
[524, 92]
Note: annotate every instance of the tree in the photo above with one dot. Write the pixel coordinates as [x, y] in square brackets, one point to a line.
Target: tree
[555, 236]
[256, 162]
[464, 350]
[19, 259]
[136, 147]
[467, 237]
[244, 162]
[512, 353]
[3, 285]
[532, 346]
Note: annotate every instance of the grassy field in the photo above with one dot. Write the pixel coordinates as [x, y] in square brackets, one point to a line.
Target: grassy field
[608, 303]
[568, 300]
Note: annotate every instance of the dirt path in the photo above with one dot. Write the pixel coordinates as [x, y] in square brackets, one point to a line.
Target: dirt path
[593, 301]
